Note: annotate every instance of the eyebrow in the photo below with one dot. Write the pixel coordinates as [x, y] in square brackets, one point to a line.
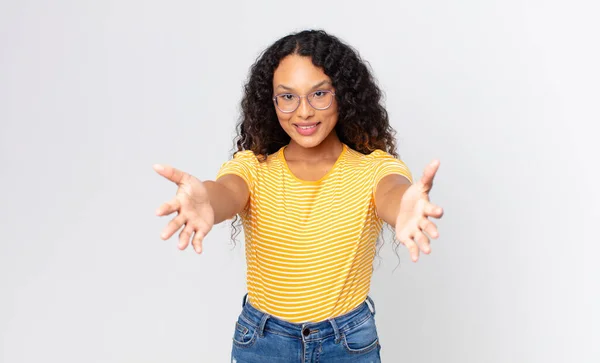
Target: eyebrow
[320, 84]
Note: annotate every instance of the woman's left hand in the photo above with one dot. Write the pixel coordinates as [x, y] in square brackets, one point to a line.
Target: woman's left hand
[413, 217]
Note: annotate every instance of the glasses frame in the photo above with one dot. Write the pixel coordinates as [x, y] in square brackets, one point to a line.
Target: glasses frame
[300, 97]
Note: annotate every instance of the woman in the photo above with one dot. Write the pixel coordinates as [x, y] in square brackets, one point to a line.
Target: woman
[314, 178]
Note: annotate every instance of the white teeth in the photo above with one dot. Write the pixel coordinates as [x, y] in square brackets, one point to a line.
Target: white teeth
[307, 127]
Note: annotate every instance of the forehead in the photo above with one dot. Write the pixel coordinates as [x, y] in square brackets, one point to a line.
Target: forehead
[298, 72]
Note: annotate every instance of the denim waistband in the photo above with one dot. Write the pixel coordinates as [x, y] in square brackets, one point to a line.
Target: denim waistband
[307, 331]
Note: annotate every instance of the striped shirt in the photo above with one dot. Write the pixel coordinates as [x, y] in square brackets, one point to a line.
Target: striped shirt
[310, 245]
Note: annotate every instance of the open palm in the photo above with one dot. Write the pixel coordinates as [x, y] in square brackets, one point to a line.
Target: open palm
[412, 223]
[191, 202]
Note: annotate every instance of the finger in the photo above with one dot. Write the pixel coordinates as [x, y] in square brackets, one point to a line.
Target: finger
[412, 247]
[429, 227]
[422, 241]
[184, 236]
[201, 231]
[197, 241]
[429, 174]
[172, 226]
[174, 175]
[432, 210]
[169, 207]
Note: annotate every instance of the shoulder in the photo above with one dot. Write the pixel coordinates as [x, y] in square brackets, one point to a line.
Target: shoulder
[381, 155]
[247, 158]
[381, 163]
[250, 156]
[245, 155]
[374, 158]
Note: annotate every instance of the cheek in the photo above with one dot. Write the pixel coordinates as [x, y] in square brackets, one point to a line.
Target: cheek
[332, 112]
[283, 118]
[331, 116]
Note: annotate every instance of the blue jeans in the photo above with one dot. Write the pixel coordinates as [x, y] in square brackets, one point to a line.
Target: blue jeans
[352, 337]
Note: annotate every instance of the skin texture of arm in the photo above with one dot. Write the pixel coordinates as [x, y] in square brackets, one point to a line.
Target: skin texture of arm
[388, 195]
[407, 208]
[228, 196]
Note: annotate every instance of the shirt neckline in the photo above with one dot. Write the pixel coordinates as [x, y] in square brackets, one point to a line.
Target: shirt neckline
[320, 180]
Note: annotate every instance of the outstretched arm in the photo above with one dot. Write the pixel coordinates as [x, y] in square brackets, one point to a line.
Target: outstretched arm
[200, 205]
[407, 208]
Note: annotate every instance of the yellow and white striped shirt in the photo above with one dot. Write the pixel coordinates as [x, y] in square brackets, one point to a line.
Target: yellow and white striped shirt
[310, 245]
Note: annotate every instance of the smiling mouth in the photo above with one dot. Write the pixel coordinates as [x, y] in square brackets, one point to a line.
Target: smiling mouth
[307, 127]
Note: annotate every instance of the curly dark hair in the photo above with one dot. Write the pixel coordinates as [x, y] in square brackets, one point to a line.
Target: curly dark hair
[363, 122]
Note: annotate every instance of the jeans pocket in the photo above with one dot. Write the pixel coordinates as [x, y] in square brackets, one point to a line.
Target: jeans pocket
[361, 338]
[244, 335]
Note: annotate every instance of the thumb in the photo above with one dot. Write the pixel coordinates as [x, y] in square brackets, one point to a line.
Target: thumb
[429, 174]
[174, 175]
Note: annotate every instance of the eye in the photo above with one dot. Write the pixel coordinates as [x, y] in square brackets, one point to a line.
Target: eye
[319, 94]
[287, 97]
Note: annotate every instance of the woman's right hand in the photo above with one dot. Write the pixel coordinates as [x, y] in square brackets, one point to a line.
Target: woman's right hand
[192, 204]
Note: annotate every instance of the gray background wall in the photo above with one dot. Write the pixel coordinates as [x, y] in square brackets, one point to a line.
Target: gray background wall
[92, 93]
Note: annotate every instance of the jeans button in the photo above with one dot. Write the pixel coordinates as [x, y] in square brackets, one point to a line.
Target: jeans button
[305, 332]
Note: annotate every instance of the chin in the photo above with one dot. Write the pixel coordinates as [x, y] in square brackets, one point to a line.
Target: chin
[308, 143]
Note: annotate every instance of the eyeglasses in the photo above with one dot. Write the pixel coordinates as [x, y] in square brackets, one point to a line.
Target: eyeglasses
[289, 102]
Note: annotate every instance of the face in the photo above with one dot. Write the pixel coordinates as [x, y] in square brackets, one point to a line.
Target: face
[306, 126]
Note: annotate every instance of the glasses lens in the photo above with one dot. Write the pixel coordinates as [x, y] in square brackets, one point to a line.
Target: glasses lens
[287, 102]
[320, 99]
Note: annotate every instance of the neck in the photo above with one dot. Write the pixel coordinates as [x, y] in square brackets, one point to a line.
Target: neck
[331, 147]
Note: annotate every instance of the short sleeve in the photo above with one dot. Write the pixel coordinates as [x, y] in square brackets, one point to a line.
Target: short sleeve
[244, 164]
[386, 164]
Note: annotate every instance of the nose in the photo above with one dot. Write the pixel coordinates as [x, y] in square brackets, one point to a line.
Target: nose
[305, 110]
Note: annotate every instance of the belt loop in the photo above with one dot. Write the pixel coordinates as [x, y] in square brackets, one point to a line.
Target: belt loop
[261, 326]
[336, 330]
[244, 300]
[372, 304]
